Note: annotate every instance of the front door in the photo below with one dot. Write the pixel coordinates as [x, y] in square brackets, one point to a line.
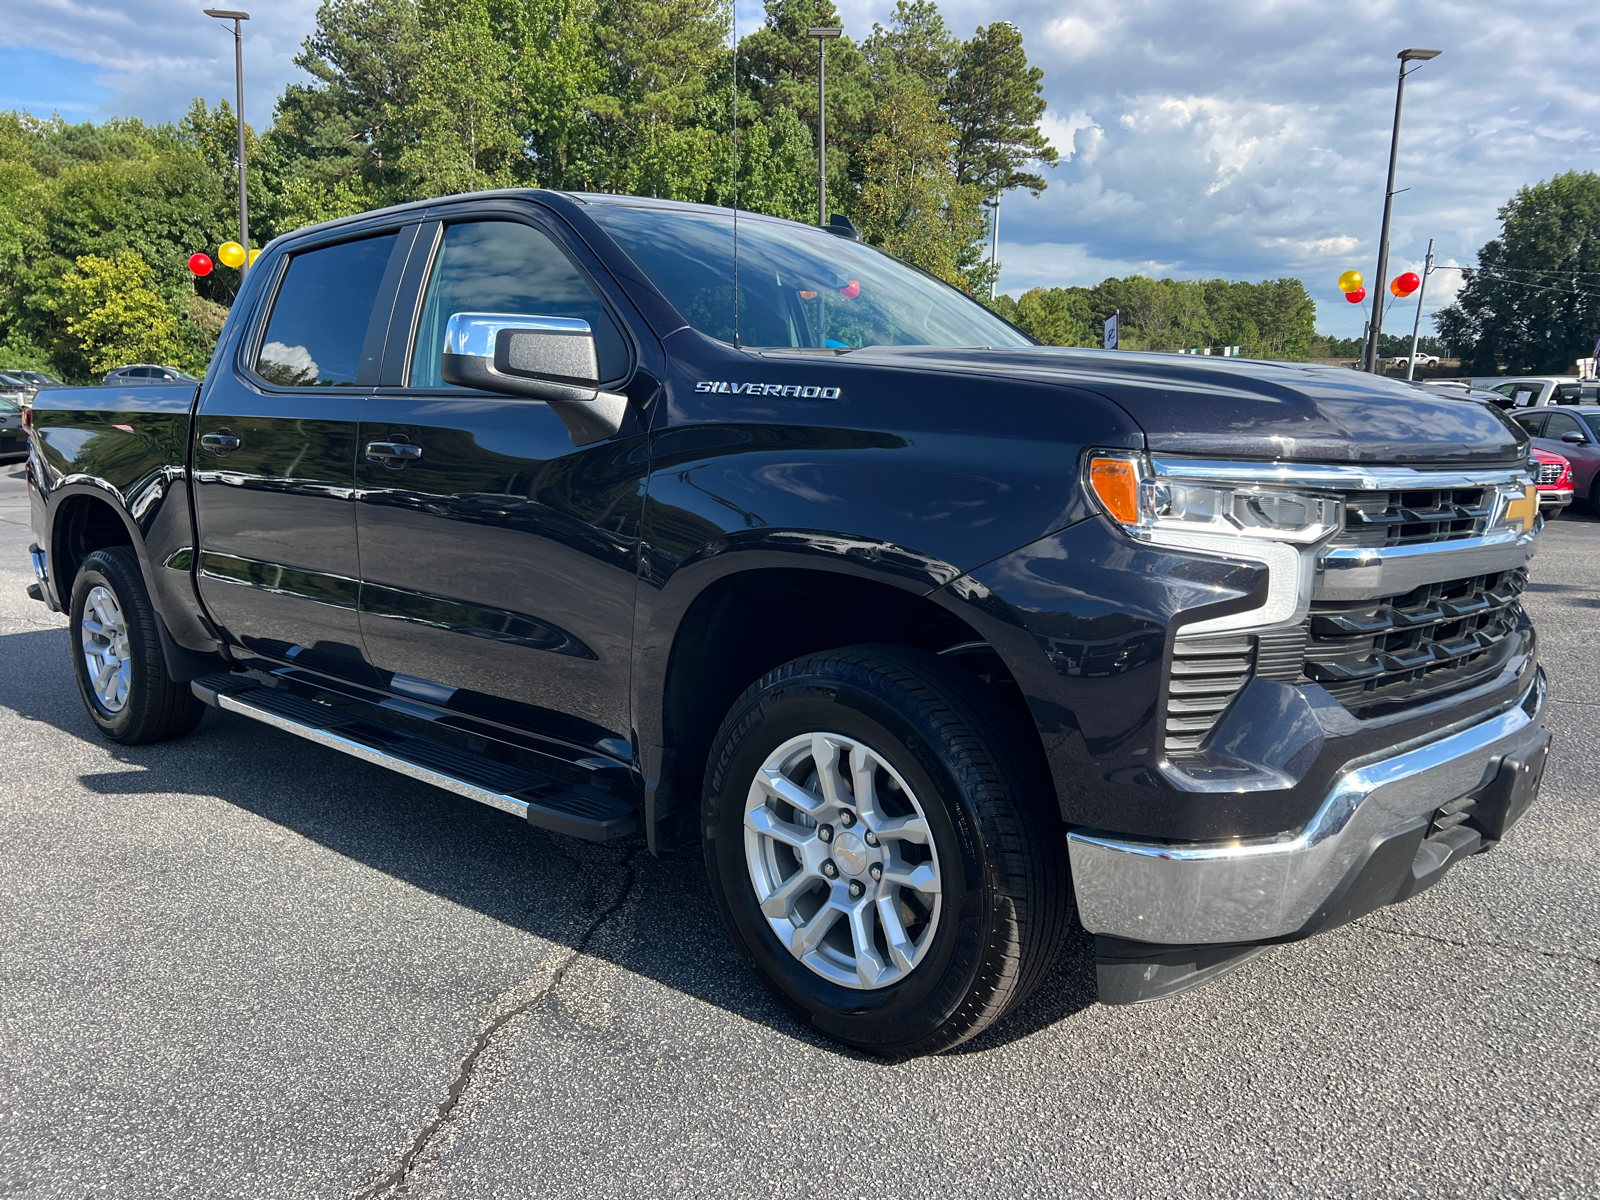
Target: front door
[275, 459]
[497, 559]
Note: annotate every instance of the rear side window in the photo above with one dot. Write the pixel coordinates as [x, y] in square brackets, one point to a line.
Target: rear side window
[1531, 424]
[319, 319]
[507, 267]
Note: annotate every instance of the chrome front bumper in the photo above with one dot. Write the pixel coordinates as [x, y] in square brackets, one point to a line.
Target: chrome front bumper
[1252, 890]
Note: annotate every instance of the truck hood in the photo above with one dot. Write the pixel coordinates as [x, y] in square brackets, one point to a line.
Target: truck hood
[1238, 408]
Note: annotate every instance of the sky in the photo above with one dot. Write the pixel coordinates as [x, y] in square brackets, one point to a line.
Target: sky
[1246, 139]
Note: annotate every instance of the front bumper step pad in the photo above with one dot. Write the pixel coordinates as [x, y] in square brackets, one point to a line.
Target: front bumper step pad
[573, 809]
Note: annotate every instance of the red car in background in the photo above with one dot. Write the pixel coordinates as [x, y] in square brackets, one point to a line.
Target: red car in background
[1555, 481]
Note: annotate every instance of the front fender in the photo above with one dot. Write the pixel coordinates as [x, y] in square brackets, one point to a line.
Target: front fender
[1084, 621]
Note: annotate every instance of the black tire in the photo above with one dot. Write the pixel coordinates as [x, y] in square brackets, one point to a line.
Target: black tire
[155, 709]
[996, 828]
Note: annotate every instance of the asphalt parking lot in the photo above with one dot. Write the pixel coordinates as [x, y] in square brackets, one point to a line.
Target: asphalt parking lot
[242, 965]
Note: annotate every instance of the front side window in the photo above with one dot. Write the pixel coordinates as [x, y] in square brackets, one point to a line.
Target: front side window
[1561, 423]
[797, 286]
[319, 319]
[507, 267]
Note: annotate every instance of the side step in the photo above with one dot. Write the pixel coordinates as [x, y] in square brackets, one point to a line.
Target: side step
[573, 809]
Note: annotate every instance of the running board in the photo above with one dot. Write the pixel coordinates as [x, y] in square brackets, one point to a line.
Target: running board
[573, 809]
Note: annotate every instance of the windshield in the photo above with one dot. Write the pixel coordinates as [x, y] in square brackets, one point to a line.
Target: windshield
[1592, 420]
[9, 408]
[798, 286]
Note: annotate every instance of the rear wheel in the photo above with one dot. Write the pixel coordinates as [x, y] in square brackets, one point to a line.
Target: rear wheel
[116, 653]
[884, 849]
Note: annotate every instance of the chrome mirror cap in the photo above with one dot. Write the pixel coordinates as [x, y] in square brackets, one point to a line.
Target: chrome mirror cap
[476, 333]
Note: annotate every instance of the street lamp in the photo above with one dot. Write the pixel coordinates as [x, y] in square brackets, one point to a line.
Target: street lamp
[823, 34]
[1375, 333]
[229, 14]
[1416, 326]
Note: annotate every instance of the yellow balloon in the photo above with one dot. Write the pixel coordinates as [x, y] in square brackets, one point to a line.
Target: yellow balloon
[254, 254]
[231, 254]
[1348, 282]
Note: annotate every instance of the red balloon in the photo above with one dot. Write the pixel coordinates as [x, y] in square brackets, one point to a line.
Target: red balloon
[850, 290]
[1404, 285]
[200, 264]
[1357, 296]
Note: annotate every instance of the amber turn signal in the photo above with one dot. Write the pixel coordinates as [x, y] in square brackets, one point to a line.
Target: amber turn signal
[1116, 483]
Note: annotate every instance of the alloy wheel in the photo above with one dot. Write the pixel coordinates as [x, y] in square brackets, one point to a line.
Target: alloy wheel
[105, 648]
[842, 860]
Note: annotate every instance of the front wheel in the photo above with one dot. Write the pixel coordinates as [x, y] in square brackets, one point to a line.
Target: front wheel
[116, 653]
[884, 848]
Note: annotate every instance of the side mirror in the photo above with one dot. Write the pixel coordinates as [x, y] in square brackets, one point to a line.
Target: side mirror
[544, 358]
[1573, 436]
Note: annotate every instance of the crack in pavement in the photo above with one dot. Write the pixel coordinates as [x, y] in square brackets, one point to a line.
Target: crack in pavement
[1590, 959]
[398, 1180]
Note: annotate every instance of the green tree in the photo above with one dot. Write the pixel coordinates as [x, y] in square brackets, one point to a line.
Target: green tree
[559, 67]
[659, 114]
[461, 115]
[917, 44]
[995, 101]
[115, 314]
[364, 56]
[911, 203]
[1532, 304]
[778, 73]
[1056, 316]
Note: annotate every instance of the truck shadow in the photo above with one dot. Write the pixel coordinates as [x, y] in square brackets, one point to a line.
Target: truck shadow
[462, 852]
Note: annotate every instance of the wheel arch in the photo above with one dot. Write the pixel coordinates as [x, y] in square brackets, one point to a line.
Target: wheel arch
[85, 517]
[732, 621]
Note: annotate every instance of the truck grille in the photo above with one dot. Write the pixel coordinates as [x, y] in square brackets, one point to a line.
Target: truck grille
[1401, 649]
[1411, 518]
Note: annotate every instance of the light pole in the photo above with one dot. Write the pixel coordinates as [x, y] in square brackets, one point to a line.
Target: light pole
[230, 14]
[1416, 326]
[1374, 364]
[823, 34]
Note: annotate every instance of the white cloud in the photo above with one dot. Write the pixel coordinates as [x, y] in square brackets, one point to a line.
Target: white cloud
[1063, 131]
[1058, 264]
[1074, 37]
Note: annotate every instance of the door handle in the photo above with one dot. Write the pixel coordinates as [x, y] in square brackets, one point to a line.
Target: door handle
[222, 443]
[393, 454]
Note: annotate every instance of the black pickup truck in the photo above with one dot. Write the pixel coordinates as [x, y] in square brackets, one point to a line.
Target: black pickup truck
[623, 515]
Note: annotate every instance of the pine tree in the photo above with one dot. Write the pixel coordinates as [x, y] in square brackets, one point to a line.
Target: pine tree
[995, 101]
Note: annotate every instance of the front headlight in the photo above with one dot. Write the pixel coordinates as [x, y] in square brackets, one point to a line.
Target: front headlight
[1277, 527]
[1141, 503]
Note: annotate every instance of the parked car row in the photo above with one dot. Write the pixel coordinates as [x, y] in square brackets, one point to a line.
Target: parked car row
[1566, 444]
[1574, 436]
[1536, 391]
[147, 375]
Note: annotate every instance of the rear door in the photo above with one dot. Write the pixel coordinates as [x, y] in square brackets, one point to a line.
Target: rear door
[498, 559]
[275, 458]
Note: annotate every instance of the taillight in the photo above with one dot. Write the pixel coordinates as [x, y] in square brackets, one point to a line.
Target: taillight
[27, 418]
